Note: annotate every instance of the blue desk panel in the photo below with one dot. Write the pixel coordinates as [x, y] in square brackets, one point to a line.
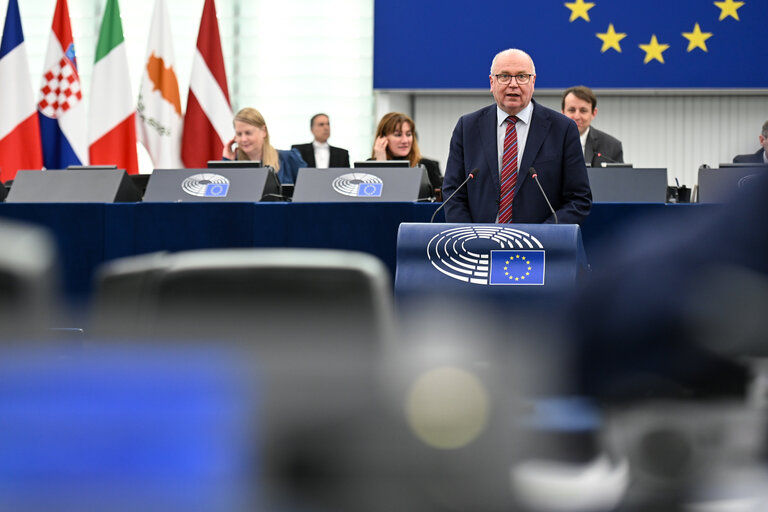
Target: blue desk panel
[90, 234]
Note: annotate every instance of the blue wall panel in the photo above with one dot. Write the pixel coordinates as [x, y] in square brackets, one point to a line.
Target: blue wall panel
[431, 44]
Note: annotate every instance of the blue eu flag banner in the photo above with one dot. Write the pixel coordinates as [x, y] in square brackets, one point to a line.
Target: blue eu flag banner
[600, 43]
[517, 267]
[217, 190]
[369, 189]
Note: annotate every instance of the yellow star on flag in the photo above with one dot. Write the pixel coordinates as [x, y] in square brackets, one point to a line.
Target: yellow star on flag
[611, 39]
[579, 9]
[729, 8]
[697, 38]
[653, 50]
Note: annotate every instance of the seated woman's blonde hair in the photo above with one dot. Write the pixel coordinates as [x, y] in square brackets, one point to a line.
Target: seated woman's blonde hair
[269, 155]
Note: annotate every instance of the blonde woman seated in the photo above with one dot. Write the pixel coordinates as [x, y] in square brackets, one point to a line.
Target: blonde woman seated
[252, 139]
[396, 140]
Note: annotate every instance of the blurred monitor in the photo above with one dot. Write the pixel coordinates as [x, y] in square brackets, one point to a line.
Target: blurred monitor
[273, 188]
[212, 185]
[426, 192]
[233, 164]
[91, 167]
[627, 185]
[375, 164]
[139, 180]
[286, 189]
[615, 164]
[91, 184]
[716, 185]
[357, 185]
[742, 164]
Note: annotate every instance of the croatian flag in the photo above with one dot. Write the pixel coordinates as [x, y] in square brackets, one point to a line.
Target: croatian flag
[61, 111]
[19, 129]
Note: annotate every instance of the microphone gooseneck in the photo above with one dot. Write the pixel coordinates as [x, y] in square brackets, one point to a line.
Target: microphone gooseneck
[535, 177]
[471, 175]
[605, 158]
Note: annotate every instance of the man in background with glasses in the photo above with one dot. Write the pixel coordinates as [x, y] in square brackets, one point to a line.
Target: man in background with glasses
[500, 143]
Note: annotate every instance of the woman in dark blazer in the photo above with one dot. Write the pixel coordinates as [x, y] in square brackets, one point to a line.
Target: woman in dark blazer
[396, 140]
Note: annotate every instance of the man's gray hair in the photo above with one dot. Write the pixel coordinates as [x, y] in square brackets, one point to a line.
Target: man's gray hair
[509, 51]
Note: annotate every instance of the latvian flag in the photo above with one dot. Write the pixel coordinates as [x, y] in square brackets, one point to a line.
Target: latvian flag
[19, 128]
[208, 120]
[61, 111]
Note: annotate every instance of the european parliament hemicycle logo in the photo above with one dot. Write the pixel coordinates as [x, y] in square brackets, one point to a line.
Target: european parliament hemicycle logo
[489, 255]
[206, 185]
[358, 184]
[745, 181]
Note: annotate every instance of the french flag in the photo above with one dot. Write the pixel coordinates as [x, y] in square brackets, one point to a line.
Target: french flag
[19, 129]
[61, 110]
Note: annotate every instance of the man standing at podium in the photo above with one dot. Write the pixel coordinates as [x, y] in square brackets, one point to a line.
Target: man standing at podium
[499, 144]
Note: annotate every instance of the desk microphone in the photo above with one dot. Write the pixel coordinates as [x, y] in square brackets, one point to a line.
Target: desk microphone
[535, 177]
[471, 176]
[607, 160]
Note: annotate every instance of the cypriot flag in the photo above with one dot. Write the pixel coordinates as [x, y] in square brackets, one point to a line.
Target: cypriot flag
[159, 120]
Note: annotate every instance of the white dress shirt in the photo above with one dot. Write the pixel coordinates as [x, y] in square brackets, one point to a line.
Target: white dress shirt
[583, 139]
[322, 154]
[522, 126]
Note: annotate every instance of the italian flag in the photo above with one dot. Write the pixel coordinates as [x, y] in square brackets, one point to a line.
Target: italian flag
[112, 116]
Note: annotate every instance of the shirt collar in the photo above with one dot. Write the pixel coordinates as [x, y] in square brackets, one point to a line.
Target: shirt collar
[524, 115]
[320, 144]
[583, 138]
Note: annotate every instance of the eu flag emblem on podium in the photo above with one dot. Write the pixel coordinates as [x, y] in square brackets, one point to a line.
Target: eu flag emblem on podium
[517, 267]
[369, 189]
[216, 190]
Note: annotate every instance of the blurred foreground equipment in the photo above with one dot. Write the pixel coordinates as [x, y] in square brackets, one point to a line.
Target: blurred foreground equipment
[28, 280]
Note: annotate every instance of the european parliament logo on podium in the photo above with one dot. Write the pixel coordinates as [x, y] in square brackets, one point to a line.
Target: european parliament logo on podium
[206, 185]
[485, 254]
[489, 258]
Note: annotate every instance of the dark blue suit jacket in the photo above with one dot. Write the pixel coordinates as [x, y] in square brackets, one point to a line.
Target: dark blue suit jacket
[751, 158]
[338, 157]
[552, 148]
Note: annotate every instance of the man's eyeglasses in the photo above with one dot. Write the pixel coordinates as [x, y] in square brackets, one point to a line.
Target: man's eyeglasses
[522, 78]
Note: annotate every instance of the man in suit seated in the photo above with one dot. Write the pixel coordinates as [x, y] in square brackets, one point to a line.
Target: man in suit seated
[319, 153]
[759, 157]
[500, 143]
[580, 104]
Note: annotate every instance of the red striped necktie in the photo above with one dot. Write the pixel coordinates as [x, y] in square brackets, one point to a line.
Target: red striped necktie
[508, 172]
